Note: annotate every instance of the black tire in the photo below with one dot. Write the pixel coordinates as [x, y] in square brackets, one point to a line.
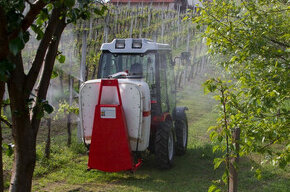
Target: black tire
[181, 132]
[88, 146]
[164, 145]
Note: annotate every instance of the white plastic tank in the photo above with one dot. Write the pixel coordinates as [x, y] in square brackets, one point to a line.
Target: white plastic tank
[135, 95]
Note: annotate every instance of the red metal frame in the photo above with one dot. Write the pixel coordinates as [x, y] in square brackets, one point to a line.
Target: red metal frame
[110, 148]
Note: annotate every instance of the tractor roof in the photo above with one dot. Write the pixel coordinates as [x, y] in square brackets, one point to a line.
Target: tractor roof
[131, 45]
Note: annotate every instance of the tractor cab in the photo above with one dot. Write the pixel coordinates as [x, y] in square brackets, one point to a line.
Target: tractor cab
[131, 107]
[144, 60]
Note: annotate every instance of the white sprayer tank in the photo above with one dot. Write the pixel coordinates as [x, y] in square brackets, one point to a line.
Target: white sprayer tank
[135, 95]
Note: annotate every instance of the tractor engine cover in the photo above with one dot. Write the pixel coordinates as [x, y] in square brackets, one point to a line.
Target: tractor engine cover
[135, 96]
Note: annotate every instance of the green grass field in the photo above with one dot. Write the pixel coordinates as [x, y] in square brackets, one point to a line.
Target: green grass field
[67, 168]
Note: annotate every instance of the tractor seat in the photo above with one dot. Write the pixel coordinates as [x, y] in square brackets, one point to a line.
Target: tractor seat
[136, 70]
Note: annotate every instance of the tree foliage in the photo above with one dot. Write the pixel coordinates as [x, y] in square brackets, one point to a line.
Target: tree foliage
[252, 41]
[19, 20]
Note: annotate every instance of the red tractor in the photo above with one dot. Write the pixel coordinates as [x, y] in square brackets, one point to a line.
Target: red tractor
[131, 107]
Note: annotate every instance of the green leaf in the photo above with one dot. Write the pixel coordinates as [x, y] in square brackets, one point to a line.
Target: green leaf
[54, 74]
[5, 69]
[215, 148]
[26, 36]
[225, 177]
[16, 45]
[258, 174]
[69, 3]
[233, 59]
[40, 115]
[61, 58]
[213, 135]
[8, 149]
[282, 163]
[212, 188]
[220, 138]
[217, 162]
[37, 29]
[48, 108]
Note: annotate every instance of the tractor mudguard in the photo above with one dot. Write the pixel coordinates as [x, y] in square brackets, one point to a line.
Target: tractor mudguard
[179, 113]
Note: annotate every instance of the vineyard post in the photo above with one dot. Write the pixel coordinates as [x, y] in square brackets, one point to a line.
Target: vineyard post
[116, 22]
[129, 5]
[188, 38]
[162, 26]
[106, 28]
[131, 25]
[193, 68]
[178, 27]
[136, 20]
[91, 26]
[48, 123]
[83, 56]
[141, 22]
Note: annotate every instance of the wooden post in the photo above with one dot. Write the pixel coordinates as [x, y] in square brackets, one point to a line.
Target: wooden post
[141, 21]
[83, 57]
[233, 174]
[106, 28]
[48, 121]
[188, 38]
[162, 26]
[131, 25]
[91, 28]
[178, 26]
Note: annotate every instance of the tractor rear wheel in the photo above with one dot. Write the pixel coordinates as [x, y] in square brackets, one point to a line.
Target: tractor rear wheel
[164, 145]
[181, 129]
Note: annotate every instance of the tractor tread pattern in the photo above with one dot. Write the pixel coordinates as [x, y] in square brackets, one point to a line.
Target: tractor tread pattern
[180, 148]
[161, 145]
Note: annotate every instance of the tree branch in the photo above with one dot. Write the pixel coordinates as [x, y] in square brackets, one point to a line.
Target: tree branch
[27, 1]
[269, 144]
[278, 42]
[41, 51]
[48, 67]
[3, 35]
[6, 122]
[2, 91]
[29, 18]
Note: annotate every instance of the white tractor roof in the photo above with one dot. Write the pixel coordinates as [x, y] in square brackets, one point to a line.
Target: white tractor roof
[147, 45]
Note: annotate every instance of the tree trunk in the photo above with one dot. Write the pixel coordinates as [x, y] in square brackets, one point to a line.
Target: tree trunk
[24, 129]
[47, 145]
[94, 72]
[2, 90]
[22, 132]
[83, 57]
[233, 173]
[69, 129]
[70, 83]
[180, 78]
[61, 82]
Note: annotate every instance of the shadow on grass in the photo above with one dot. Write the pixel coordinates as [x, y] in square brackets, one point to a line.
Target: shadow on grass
[194, 172]
[191, 172]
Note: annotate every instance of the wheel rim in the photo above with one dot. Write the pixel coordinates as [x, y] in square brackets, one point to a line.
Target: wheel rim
[184, 135]
[170, 146]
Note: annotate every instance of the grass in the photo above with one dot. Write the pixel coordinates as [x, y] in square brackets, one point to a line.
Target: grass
[67, 168]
